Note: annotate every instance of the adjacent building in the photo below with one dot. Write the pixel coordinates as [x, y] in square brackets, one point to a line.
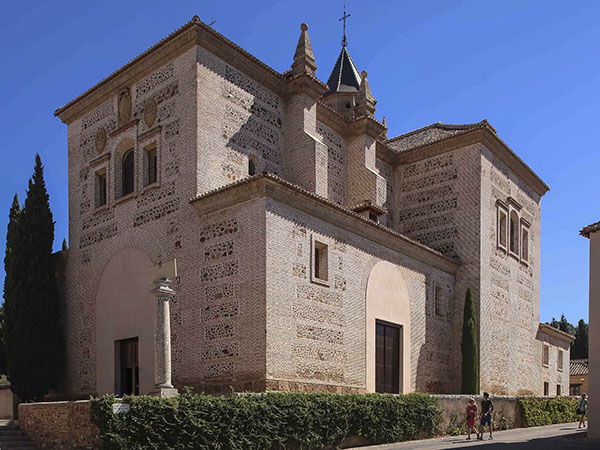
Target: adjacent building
[591, 232]
[313, 252]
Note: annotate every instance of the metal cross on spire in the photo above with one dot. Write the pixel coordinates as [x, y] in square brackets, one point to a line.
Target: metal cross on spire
[344, 40]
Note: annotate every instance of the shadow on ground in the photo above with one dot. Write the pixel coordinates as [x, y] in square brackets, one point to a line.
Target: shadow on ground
[573, 441]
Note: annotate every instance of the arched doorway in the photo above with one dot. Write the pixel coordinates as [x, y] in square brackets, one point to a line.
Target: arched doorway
[125, 325]
[388, 330]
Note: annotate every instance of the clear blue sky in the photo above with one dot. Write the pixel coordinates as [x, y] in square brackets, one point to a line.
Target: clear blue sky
[531, 68]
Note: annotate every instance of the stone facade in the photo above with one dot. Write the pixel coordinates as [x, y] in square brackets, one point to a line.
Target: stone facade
[418, 210]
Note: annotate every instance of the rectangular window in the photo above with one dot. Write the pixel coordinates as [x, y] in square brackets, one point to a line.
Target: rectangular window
[502, 224]
[575, 389]
[320, 261]
[151, 166]
[525, 244]
[558, 390]
[545, 354]
[127, 371]
[560, 360]
[546, 388]
[387, 358]
[438, 306]
[100, 188]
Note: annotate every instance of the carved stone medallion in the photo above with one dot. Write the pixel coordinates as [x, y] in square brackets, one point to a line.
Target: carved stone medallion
[149, 112]
[100, 140]
[124, 107]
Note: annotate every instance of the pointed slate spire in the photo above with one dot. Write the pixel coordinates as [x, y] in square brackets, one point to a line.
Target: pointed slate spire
[365, 102]
[344, 76]
[304, 59]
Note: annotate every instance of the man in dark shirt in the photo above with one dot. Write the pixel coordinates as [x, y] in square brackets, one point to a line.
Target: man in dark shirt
[487, 408]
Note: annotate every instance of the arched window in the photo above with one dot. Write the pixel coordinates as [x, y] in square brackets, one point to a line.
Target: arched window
[514, 232]
[251, 167]
[127, 173]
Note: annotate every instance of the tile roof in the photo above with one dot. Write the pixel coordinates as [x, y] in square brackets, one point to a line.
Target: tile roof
[547, 328]
[295, 187]
[432, 133]
[586, 231]
[344, 76]
[579, 367]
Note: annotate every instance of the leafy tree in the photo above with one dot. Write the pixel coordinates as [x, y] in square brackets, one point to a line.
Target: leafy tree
[32, 335]
[470, 361]
[579, 348]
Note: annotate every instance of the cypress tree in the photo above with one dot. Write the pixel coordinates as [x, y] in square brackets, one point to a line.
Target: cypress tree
[579, 349]
[10, 271]
[470, 362]
[32, 334]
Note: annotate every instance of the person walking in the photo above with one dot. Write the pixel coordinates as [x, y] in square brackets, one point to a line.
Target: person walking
[487, 408]
[582, 405]
[471, 416]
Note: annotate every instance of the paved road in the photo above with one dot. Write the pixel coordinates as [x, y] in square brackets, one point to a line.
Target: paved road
[563, 436]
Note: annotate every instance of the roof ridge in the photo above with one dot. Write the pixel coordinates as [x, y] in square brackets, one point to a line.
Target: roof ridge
[446, 126]
[194, 21]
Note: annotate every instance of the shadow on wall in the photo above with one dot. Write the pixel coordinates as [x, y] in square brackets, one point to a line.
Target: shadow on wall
[435, 366]
[252, 126]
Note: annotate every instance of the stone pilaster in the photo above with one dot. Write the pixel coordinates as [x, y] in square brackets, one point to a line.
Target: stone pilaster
[162, 339]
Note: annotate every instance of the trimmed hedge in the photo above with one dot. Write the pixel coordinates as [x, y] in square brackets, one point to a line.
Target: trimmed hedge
[547, 411]
[263, 421]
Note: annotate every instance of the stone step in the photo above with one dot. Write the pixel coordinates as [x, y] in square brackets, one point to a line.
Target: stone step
[11, 436]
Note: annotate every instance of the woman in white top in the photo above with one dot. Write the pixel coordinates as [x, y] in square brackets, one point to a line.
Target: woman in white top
[582, 405]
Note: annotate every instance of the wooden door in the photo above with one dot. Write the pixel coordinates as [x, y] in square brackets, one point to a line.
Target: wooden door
[387, 358]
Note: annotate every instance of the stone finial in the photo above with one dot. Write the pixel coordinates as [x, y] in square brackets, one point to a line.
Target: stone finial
[365, 102]
[304, 59]
[383, 122]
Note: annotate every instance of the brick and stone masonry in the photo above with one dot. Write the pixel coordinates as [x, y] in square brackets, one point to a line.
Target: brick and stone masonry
[249, 311]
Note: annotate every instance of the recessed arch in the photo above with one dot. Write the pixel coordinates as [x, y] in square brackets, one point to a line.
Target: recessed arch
[388, 302]
[124, 310]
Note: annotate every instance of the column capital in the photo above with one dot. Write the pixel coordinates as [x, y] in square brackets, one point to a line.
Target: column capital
[162, 289]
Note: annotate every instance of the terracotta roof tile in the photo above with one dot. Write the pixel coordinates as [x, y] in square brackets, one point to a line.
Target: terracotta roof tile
[579, 367]
[432, 133]
[586, 231]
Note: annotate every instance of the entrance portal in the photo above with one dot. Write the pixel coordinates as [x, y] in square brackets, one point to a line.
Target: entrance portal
[387, 358]
[387, 330]
[127, 373]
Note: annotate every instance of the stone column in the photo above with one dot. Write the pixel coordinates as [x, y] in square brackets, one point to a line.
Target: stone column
[162, 339]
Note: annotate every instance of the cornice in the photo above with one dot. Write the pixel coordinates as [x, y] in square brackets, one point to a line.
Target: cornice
[195, 32]
[486, 137]
[267, 185]
[367, 125]
[550, 330]
[307, 84]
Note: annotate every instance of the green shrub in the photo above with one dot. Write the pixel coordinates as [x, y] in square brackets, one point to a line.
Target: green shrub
[266, 421]
[547, 411]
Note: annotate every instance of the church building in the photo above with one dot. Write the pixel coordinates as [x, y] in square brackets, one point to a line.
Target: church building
[233, 226]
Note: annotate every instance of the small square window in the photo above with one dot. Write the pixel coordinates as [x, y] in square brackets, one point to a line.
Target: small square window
[100, 191]
[545, 355]
[546, 388]
[320, 261]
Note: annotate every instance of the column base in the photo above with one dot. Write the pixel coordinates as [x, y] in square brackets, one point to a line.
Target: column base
[164, 391]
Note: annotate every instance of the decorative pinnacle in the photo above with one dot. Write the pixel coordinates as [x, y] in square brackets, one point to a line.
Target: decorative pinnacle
[303, 27]
[344, 18]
